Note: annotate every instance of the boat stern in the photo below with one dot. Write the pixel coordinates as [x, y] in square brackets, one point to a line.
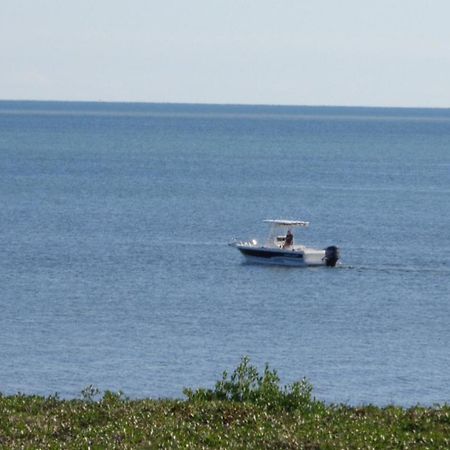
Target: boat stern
[332, 255]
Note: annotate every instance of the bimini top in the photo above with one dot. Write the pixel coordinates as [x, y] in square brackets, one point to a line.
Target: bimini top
[287, 223]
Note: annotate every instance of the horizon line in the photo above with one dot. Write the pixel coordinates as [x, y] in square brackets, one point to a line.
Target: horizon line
[283, 105]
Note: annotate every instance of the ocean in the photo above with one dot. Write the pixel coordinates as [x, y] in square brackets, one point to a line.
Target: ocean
[115, 269]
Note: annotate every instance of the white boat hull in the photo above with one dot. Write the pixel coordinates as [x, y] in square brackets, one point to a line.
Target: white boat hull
[279, 261]
[295, 257]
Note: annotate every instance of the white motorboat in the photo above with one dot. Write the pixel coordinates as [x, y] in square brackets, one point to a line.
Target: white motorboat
[280, 247]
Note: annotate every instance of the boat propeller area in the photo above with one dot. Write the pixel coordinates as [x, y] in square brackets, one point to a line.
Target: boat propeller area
[332, 255]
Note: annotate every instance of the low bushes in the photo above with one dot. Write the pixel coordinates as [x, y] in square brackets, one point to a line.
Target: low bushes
[246, 410]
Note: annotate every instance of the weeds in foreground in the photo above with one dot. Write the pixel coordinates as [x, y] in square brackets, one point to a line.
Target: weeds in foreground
[246, 410]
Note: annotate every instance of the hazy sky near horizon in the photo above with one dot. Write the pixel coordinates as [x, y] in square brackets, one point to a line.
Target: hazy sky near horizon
[321, 52]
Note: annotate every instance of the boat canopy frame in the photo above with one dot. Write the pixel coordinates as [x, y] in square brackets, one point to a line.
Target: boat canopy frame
[276, 224]
[287, 223]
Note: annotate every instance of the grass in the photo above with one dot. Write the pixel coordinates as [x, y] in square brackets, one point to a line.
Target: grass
[245, 410]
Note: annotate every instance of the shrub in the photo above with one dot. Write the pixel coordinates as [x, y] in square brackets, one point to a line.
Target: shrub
[246, 385]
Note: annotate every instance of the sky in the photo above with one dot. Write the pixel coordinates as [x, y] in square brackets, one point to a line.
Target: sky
[284, 52]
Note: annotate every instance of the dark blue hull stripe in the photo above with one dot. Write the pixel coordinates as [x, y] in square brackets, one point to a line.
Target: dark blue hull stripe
[268, 254]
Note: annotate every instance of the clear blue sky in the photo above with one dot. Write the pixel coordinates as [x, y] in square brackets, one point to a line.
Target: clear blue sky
[316, 52]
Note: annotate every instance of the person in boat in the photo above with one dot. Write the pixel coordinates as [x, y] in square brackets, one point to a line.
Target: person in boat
[289, 239]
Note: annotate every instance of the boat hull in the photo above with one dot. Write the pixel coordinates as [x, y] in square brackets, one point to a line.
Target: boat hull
[261, 255]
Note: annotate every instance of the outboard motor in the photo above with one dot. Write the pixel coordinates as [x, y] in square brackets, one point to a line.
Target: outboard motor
[331, 255]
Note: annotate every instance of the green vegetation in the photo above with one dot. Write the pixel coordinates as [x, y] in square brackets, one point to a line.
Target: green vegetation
[246, 410]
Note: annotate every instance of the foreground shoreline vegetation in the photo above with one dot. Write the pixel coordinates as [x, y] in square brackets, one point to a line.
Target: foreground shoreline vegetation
[245, 410]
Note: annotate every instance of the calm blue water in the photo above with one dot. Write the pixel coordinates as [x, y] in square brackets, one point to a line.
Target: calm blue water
[114, 268]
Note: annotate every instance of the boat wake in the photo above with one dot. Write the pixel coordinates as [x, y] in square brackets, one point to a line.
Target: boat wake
[444, 270]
